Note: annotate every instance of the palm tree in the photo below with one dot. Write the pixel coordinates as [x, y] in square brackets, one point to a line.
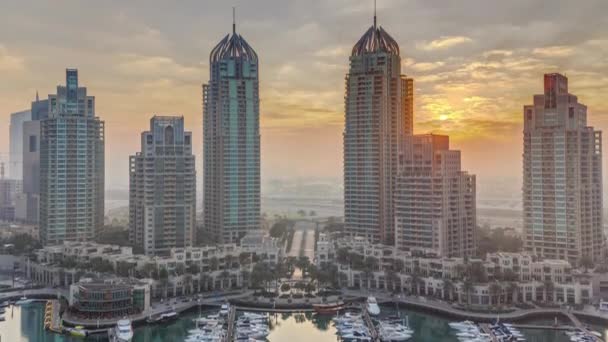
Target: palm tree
[415, 282]
[448, 288]
[245, 275]
[467, 288]
[495, 290]
[188, 283]
[225, 275]
[549, 289]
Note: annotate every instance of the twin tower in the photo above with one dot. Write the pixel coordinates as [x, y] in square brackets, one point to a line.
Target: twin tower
[163, 182]
[400, 188]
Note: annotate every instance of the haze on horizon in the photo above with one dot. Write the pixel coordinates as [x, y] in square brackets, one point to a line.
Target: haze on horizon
[475, 65]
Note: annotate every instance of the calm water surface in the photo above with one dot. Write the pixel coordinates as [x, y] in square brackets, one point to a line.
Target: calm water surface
[24, 324]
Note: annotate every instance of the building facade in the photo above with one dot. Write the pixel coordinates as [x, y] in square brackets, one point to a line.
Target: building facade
[108, 298]
[231, 141]
[162, 189]
[378, 114]
[27, 207]
[562, 165]
[435, 201]
[15, 143]
[71, 166]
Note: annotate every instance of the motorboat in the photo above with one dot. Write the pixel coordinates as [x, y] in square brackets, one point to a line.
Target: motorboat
[122, 332]
[225, 309]
[24, 301]
[372, 306]
[77, 331]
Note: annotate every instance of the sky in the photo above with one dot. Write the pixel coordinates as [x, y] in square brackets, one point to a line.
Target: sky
[475, 63]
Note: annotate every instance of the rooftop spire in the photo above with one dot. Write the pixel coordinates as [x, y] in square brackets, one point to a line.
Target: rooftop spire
[375, 14]
[37, 98]
[233, 20]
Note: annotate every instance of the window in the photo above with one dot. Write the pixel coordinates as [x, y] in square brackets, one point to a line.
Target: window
[187, 140]
[33, 145]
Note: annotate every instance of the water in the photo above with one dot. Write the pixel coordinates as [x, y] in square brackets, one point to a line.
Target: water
[24, 324]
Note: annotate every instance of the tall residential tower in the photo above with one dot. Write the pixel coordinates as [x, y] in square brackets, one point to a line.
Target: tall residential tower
[562, 189]
[435, 201]
[231, 141]
[378, 107]
[162, 190]
[71, 166]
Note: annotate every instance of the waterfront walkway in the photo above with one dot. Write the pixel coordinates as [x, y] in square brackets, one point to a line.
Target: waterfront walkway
[444, 308]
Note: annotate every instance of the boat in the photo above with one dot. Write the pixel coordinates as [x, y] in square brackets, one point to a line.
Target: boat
[163, 317]
[2, 319]
[328, 308]
[372, 306]
[122, 332]
[77, 331]
[225, 309]
[24, 301]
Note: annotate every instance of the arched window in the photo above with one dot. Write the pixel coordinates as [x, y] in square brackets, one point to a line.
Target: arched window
[169, 135]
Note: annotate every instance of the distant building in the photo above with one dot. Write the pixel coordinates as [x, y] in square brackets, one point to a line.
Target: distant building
[71, 166]
[15, 143]
[162, 191]
[435, 201]
[379, 113]
[562, 189]
[231, 141]
[27, 206]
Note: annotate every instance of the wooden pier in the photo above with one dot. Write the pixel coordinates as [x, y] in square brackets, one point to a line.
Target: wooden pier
[485, 328]
[370, 325]
[230, 331]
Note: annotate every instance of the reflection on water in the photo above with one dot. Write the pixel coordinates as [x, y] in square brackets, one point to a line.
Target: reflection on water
[25, 325]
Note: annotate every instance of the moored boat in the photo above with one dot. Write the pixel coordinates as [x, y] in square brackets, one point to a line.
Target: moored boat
[328, 308]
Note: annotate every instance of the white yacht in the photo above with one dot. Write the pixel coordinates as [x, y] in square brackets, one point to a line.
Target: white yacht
[122, 332]
[372, 306]
[24, 301]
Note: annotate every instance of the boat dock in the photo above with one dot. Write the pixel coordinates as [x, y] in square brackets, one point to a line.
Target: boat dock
[370, 325]
[52, 319]
[485, 328]
[231, 318]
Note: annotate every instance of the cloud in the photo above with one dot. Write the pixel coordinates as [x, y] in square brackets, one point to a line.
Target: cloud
[444, 42]
[554, 51]
[423, 66]
[9, 62]
[336, 51]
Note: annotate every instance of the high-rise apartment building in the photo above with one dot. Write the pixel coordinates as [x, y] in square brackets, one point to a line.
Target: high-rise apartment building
[435, 201]
[562, 188]
[15, 143]
[231, 141]
[71, 166]
[378, 114]
[162, 190]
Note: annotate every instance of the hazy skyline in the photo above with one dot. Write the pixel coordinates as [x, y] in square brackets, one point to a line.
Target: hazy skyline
[475, 65]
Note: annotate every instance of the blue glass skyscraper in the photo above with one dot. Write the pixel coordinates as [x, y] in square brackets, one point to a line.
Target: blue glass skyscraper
[231, 141]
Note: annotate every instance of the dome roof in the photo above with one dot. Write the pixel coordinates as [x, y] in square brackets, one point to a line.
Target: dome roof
[232, 46]
[375, 40]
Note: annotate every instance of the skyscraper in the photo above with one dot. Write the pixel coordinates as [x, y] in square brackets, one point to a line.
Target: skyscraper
[378, 108]
[231, 141]
[71, 166]
[435, 201]
[15, 143]
[162, 190]
[562, 189]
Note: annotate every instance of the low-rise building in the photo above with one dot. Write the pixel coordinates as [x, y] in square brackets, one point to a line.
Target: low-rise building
[108, 298]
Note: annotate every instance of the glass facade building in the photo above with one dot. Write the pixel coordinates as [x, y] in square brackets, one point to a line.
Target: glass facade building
[378, 114]
[71, 166]
[231, 141]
